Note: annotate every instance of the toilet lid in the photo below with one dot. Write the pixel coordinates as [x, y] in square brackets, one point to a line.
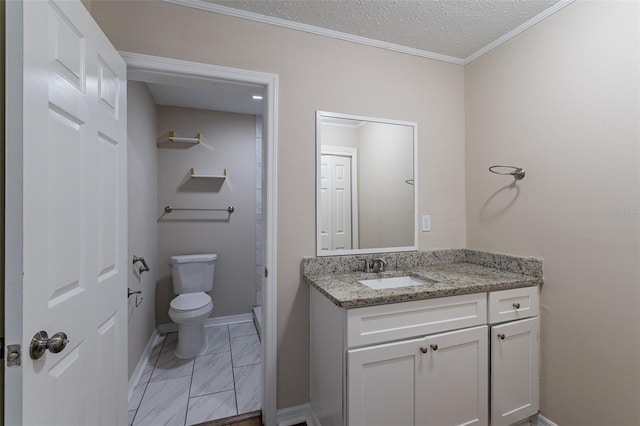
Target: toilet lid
[189, 301]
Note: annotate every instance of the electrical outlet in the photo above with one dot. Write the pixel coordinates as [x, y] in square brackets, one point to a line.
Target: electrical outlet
[426, 222]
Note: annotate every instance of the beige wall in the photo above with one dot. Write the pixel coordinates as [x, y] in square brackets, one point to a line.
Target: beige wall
[315, 73]
[142, 169]
[385, 161]
[562, 101]
[337, 135]
[385, 200]
[229, 142]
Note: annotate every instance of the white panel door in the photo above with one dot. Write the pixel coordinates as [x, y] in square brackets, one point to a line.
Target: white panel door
[326, 241]
[335, 202]
[386, 384]
[457, 378]
[74, 219]
[341, 194]
[514, 371]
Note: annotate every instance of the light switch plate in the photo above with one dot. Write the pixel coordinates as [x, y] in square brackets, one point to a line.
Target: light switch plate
[426, 222]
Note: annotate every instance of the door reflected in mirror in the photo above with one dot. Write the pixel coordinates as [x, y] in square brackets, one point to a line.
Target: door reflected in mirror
[366, 184]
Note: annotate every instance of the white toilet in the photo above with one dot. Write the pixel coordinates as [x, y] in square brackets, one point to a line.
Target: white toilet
[192, 278]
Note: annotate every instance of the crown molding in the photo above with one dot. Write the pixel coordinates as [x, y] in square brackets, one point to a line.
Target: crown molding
[224, 10]
[511, 34]
[237, 13]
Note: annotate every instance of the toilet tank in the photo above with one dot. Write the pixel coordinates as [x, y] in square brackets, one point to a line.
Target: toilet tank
[192, 273]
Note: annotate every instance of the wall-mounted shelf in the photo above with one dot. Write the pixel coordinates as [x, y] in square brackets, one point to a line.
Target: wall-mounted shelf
[170, 140]
[194, 175]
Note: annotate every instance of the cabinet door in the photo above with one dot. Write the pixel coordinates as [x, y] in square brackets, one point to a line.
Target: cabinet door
[514, 371]
[382, 389]
[457, 378]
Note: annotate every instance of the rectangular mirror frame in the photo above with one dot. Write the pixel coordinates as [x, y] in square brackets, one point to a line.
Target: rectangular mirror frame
[319, 251]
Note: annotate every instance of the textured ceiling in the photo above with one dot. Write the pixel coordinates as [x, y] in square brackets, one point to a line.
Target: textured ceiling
[456, 28]
[453, 28]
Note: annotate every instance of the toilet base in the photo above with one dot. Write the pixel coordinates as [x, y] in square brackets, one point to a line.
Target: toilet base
[191, 341]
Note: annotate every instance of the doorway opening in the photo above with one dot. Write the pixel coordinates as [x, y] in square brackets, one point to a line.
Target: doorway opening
[216, 93]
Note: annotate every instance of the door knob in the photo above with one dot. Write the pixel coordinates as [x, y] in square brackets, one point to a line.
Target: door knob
[434, 347]
[423, 349]
[516, 306]
[501, 336]
[41, 342]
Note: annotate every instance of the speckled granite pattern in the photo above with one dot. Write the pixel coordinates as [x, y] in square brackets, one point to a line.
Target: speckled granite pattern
[444, 279]
[448, 272]
[401, 260]
[397, 260]
[524, 265]
[428, 258]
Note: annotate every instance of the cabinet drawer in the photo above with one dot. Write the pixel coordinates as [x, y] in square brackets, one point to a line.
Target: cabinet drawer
[376, 324]
[509, 305]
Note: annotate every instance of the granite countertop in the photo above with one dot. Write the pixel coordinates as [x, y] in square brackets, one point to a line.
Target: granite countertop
[444, 279]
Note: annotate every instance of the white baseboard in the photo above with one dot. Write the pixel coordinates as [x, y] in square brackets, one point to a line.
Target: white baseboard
[298, 414]
[142, 362]
[313, 419]
[304, 413]
[210, 322]
[543, 421]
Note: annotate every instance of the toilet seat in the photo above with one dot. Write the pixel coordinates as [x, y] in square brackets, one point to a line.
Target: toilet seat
[190, 301]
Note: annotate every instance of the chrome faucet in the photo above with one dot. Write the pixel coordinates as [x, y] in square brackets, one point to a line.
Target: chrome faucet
[378, 264]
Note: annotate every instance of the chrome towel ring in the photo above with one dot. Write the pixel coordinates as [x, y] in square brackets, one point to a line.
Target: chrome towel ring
[516, 172]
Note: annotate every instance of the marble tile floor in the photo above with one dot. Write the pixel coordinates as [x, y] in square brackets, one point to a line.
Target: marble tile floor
[223, 381]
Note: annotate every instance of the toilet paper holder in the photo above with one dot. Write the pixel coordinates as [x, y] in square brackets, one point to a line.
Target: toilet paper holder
[139, 299]
[144, 267]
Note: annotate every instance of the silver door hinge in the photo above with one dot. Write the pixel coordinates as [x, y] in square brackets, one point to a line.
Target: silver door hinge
[14, 355]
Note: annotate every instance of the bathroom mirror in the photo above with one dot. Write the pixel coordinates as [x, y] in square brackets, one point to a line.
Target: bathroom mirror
[366, 184]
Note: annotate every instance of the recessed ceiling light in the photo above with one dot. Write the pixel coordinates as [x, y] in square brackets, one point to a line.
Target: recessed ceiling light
[257, 97]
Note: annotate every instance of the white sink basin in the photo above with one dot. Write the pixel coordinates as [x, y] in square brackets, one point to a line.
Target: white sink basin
[392, 282]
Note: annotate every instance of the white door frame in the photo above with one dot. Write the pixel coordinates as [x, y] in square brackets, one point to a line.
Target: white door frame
[139, 65]
[13, 201]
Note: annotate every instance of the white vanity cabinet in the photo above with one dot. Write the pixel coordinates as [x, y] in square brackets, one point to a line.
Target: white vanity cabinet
[457, 378]
[514, 355]
[421, 362]
[431, 362]
[436, 380]
[385, 383]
